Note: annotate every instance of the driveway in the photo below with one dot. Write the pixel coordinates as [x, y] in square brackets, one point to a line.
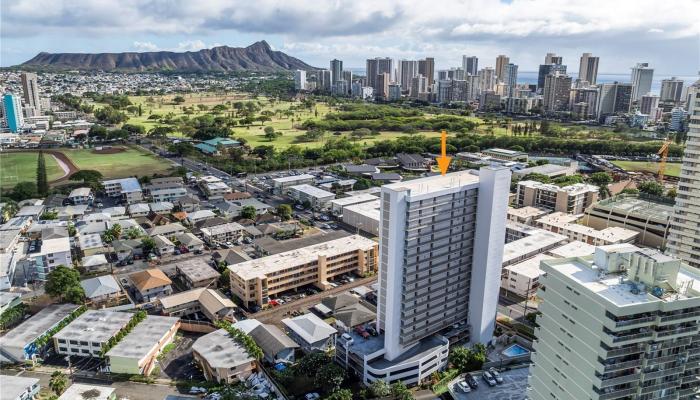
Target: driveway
[513, 387]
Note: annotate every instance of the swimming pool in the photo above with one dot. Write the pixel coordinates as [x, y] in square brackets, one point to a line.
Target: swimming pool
[515, 351]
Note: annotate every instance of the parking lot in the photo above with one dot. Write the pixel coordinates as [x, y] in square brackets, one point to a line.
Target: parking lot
[512, 388]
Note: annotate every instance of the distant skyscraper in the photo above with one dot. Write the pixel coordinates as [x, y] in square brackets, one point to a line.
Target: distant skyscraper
[323, 80]
[684, 233]
[427, 69]
[556, 92]
[300, 79]
[30, 91]
[470, 65]
[375, 67]
[336, 70]
[614, 98]
[419, 86]
[382, 86]
[511, 79]
[501, 62]
[671, 89]
[12, 112]
[588, 68]
[648, 104]
[552, 58]
[641, 79]
[408, 69]
[487, 79]
[548, 69]
[394, 92]
[585, 95]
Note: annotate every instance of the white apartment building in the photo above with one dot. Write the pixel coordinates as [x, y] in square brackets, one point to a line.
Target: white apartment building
[45, 255]
[128, 189]
[441, 244]
[223, 233]
[318, 198]
[169, 194]
[80, 196]
[213, 187]
[623, 324]
[684, 232]
[572, 199]
[86, 335]
[565, 224]
[280, 185]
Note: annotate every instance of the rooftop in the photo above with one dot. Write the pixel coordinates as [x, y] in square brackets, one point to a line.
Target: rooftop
[575, 189]
[634, 205]
[529, 268]
[613, 234]
[312, 191]
[149, 279]
[196, 270]
[504, 151]
[546, 169]
[223, 229]
[100, 286]
[95, 326]
[526, 212]
[260, 267]
[293, 178]
[14, 386]
[573, 249]
[435, 183]
[221, 351]
[80, 391]
[536, 242]
[144, 337]
[127, 184]
[369, 209]
[32, 328]
[90, 241]
[210, 299]
[309, 327]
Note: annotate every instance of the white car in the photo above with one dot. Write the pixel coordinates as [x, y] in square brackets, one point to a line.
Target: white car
[312, 396]
[464, 387]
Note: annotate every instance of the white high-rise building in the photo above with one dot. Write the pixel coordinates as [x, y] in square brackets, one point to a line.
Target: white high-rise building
[336, 68]
[621, 324]
[641, 79]
[684, 232]
[501, 62]
[487, 79]
[408, 69]
[588, 68]
[510, 79]
[648, 104]
[300, 80]
[671, 89]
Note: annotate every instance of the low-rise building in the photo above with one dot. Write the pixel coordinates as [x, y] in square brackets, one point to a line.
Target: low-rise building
[78, 391]
[506, 155]
[196, 272]
[550, 170]
[277, 347]
[213, 187]
[190, 241]
[167, 230]
[209, 302]
[412, 162]
[102, 291]
[338, 205]
[45, 255]
[18, 387]
[364, 216]
[95, 263]
[164, 246]
[151, 284]
[137, 352]
[564, 224]
[85, 335]
[166, 192]
[525, 215]
[128, 189]
[317, 198]
[139, 210]
[281, 185]
[222, 358]
[572, 199]
[310, 332]
[650, 217]
[223, 233]
[19, 344]
[200, 215]
[161, 207]
[255, 281]
[80, 196]
[90, 244]
[523, 278]
[534, 241]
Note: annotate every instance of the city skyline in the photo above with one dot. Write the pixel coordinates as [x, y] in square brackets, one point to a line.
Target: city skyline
[669, 41]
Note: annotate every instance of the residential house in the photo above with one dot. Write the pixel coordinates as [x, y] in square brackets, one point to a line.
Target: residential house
[15, 387]
[209, 302]
[95, 263]
[128, 189]
[80, 196]
[151, 284]
[195, 272]
[276, 345]
[168, 230]
[103, 291]
[191, 242]
[412, 162]
[310, 332]
[222, 358]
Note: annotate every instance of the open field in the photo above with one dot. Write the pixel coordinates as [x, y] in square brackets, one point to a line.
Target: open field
[672, 169]
[21, 167]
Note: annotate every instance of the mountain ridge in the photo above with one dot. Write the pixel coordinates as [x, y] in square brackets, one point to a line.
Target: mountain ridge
[259, 56]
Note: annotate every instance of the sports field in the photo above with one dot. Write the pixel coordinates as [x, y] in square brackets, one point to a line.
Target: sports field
[21, 167]
[672, 169]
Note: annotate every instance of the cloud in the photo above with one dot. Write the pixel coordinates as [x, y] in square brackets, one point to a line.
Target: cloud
[145, 46]
[187, 45]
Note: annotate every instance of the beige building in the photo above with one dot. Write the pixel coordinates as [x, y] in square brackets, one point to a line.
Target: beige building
[222, 358]
[137, 352]
[525, 215]
[565, 224]
[572, 199]
[256, 281]
[209, 302]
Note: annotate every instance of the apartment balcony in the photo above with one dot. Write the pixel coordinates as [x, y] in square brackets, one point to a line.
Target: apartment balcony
[676, 333]
[624, 351]
[660, 386]
[630, 338]
[692, 379]
[623, 365]
[607, 382]
[650, 361]
[679, 318]
[636, 322]
[611, 394]
[660, 374]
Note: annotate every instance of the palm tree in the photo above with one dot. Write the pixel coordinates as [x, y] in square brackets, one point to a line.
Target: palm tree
[58, 382]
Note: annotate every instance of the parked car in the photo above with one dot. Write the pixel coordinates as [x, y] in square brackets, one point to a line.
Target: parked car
[464, 386]
[312, 396]
[473, 383]
[496, 375]
[488, 378]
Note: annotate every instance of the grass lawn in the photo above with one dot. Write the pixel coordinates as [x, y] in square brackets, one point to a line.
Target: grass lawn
[21, 167]
[672, 169]
[128, 163]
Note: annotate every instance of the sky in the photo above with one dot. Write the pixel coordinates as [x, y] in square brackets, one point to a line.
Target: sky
[621, 32]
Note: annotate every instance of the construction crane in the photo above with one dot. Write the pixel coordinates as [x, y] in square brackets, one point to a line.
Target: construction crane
[663, 152]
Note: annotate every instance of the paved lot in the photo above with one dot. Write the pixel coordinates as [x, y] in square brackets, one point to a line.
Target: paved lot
[513, 388]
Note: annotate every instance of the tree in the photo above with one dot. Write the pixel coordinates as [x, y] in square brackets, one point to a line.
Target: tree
[58, 382]
[9, 209]
[42, 183]
[342, 394]
[311, 363]
[87, 175]
[147, 245]
[284, 211]
[399, 391]
[330, 377]
[64, 283]
[49, 215]
[672, 193]
[270, 133]
[379, 388]
[178, 100]
[459, 357]
[248, 212]
[23, 191]
[602, 180]
[651, 187]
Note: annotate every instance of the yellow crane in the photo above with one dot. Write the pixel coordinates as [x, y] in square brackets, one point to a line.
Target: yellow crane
[663, 152]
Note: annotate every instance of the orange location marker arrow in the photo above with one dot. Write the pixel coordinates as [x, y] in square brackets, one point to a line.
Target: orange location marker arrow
[444, 161]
